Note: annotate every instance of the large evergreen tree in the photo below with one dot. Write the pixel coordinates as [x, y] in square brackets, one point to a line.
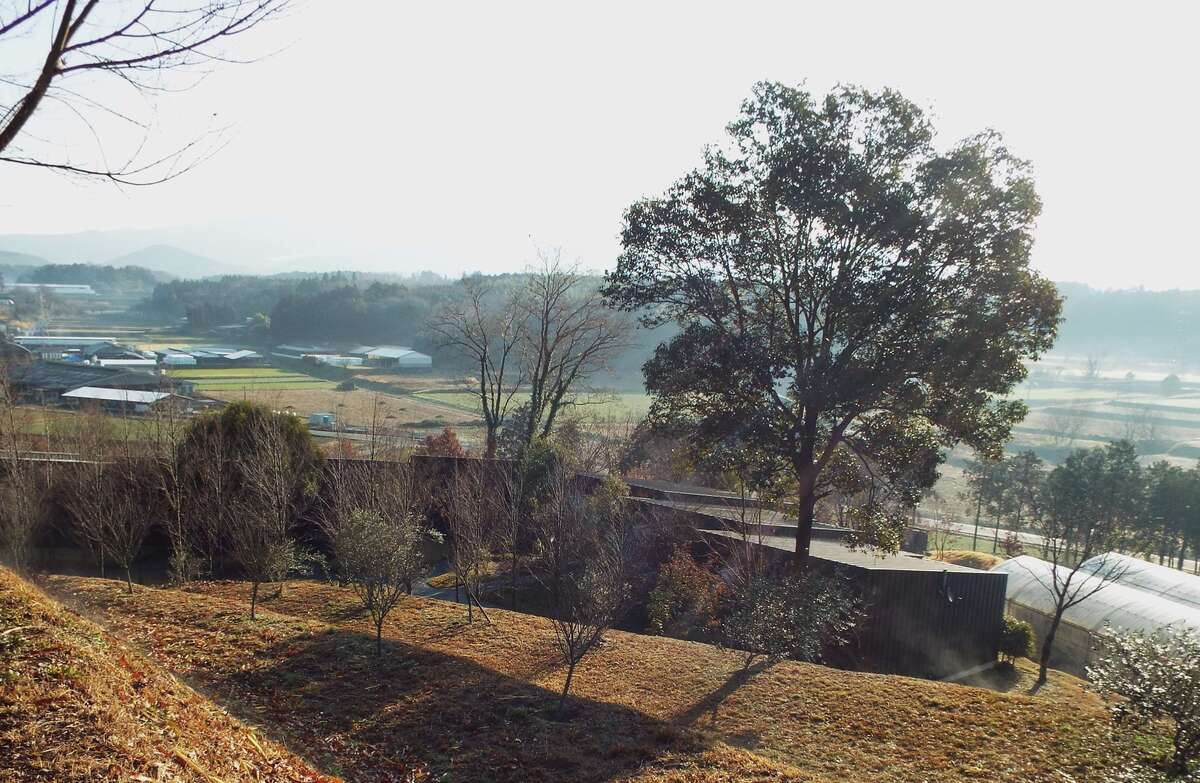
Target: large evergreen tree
[851, 300]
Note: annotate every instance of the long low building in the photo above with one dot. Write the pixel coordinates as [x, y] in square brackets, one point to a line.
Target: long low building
[1117, 591]
[123, 400]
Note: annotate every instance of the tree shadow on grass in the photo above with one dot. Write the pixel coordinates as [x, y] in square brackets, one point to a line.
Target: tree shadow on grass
[711, 703]
[328, 697]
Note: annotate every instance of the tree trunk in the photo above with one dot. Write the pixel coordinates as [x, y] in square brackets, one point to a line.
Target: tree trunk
[804, 528]
[975, 535]
[562, 698]
[1047, 648]
[253, 598]
[491, 442]
[379, 636]
[128, 581]
[512, 579]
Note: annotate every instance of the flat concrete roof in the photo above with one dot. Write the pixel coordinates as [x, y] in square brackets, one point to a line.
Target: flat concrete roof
[837, 552]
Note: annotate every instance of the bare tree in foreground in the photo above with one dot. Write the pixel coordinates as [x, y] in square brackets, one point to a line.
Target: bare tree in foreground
[485, 326]
[208, 468]
[21, 490]
[570, 335]
[583, 567]
[274, 474]
[109, 504]
[1091, 507]
[136, 44]
[379, 556]
[468, 513]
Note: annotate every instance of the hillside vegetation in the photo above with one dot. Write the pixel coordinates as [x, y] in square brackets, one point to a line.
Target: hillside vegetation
[477, 702]
[76, 705]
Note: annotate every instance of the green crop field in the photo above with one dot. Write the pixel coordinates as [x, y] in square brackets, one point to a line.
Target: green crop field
[269, 378]
[622, 405]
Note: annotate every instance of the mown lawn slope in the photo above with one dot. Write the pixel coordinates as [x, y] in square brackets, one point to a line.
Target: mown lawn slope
[476, 702]
[77, 705]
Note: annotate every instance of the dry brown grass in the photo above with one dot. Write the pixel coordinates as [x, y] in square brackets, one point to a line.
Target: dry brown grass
[352, 407]
[77, 705]
[478, 700]
[984, 561]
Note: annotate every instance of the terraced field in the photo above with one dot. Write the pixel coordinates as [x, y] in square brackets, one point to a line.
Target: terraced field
[249, 378]
[599, 406]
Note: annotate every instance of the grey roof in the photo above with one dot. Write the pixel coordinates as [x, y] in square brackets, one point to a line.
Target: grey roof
[62, 376]
[1178, 586]
[837, 552]
[1120, 604]
[116, 395]
[393, 352]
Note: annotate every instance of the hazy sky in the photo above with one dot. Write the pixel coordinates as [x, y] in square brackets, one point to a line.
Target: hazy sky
[450, 134]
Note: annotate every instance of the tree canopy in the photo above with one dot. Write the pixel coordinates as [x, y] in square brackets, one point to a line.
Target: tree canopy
[851, 300]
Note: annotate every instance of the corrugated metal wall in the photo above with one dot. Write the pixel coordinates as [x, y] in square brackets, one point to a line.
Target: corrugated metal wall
[931, 623]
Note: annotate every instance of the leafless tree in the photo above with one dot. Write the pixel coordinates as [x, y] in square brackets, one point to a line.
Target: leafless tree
[485, 326]
[584, 544]
[209, 487]
[166, 426]
[21, 489]
[939, 525]
[379, 556]
[387, 490]
[1090, 512]
[1066, 423]
[469, 510]
[570, 335]
[1142, 425]
[512, 518]
[110, 503]
[63, 52]
[91, 436]
[273, 474]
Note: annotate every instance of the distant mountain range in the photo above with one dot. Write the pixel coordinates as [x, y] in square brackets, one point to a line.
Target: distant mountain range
[259, 247]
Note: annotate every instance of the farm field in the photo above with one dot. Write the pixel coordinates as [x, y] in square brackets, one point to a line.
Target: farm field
[209, 381]
[352, 407]
[479, 699]
[598, 406]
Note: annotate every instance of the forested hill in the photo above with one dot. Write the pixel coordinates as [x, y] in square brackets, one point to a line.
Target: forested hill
[350, 306]
[106, 279]
[1147, 324]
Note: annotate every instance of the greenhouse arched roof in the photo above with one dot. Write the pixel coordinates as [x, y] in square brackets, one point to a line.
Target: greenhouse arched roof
[1118, 603]
[1177, 585]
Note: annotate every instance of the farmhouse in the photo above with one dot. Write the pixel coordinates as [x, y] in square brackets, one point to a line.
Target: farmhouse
[1143, 597]
[54, 347]
[397, 356]
[46, 382]
[123, 400]
[206, 356]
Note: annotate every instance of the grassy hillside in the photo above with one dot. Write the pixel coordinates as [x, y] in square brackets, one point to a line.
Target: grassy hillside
[476, 702]
[76, 705]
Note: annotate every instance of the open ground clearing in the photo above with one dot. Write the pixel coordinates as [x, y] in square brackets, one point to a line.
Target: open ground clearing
[76, 704]
[478, 699]
[210, 381]
[602, 406]
[354, 407]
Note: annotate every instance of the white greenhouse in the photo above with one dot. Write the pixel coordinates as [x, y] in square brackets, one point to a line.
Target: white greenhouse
[1142, 597]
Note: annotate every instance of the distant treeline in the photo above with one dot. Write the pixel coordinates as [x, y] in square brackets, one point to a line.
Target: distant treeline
[105, 279]
[344, 307]
[351, 306]
[1148, 324]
